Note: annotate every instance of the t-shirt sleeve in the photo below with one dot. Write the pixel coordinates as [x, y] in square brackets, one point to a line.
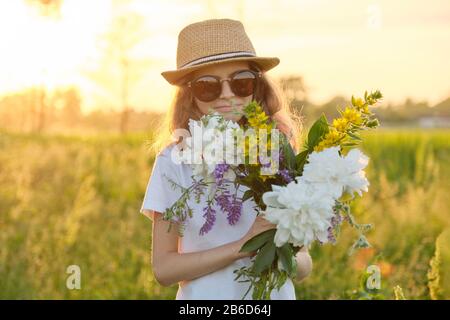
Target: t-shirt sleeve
[160, 194]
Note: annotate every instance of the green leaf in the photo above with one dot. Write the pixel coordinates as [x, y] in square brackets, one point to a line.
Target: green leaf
[351, 218]
[281, 280]
[349, 144]
[361, 242]
[288, 153]
[265, 257]
[364, 227]
[377, 94]
[373, 123]
[285, 255]
[247, 195]
[301, 159]
[317, 131]
[354, 136]
[258, 241]
[245, 181]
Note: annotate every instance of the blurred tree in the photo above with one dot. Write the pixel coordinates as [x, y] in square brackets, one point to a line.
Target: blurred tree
[20, 111]
[295, 89]
[330, 108]
[48, 10]
[42, 109]
[442, 108]
[408, 112]
[67, 102]
[118, 70]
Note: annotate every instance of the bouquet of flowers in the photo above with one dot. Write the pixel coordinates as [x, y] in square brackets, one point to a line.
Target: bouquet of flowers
[306, 195]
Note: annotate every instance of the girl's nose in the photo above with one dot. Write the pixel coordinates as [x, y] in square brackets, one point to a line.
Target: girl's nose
[226, 90]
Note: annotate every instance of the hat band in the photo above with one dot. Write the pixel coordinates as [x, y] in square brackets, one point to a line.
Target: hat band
[220, 56]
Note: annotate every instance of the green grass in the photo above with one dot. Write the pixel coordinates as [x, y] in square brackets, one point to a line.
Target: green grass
[75, 200]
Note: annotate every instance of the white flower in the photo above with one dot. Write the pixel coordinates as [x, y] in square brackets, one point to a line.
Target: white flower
[229, 175]
[213, 152]
[301, 211]
[339, 173]
[233, 146]
[211, 142]
[212, 120]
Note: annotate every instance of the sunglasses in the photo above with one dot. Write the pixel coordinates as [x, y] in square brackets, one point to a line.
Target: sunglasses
[207, 88]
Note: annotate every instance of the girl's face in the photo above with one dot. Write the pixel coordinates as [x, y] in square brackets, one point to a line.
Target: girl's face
[227, 100]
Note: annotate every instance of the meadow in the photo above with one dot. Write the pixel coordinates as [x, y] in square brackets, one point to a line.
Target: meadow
[74, 200]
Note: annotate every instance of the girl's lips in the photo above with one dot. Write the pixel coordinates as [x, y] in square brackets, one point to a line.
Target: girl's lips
[224, 108]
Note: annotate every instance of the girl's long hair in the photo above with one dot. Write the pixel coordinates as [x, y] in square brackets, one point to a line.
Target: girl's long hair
[268, 93]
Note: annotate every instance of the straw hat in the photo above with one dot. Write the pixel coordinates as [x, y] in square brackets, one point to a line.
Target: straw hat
[213, 41]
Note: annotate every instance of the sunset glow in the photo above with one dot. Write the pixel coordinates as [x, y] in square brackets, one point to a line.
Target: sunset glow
[402, 46]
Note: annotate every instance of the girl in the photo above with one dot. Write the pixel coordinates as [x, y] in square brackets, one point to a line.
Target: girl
[217, 69]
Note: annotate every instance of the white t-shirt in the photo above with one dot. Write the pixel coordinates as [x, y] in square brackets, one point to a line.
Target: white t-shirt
[219, 284]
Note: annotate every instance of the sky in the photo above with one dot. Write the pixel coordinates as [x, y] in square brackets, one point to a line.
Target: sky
[340, 47]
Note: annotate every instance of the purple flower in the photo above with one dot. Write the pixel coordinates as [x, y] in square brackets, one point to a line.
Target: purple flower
[264, 161]
[210, 215]
[281, 157]
[231, 205]
[285, 175]
[336, 220]
[235, 212]
[219, 171]
[197, 190]
[331, 236]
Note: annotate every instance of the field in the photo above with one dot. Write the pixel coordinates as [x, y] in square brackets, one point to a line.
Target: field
[69, 200]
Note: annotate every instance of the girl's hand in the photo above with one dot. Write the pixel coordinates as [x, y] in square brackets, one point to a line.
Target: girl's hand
[259, 225]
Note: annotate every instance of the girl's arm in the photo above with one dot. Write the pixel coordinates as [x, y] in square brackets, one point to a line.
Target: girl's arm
[304, 264]
[170, 267]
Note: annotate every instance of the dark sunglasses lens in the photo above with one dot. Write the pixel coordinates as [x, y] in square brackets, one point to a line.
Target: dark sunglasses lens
[243, 84]
[206, 89]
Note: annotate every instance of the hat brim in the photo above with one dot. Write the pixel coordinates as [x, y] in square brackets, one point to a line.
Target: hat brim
[175, 77]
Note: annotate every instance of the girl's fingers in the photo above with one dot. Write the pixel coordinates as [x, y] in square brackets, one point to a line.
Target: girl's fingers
[264, 223]
[270, 224]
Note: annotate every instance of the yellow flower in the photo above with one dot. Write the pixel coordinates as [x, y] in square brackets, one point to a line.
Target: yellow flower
[320, 147]
[250, 148]
[365, 109]
[258, 119]
[359, 103]
[340, 124]
[352, 115]
[333, 136]
[253, 122]
[331, 139]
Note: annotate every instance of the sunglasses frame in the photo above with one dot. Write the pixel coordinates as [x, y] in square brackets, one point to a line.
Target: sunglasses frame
[257, 74]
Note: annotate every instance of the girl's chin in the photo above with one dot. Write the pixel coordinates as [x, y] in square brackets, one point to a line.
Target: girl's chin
[232, 117]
